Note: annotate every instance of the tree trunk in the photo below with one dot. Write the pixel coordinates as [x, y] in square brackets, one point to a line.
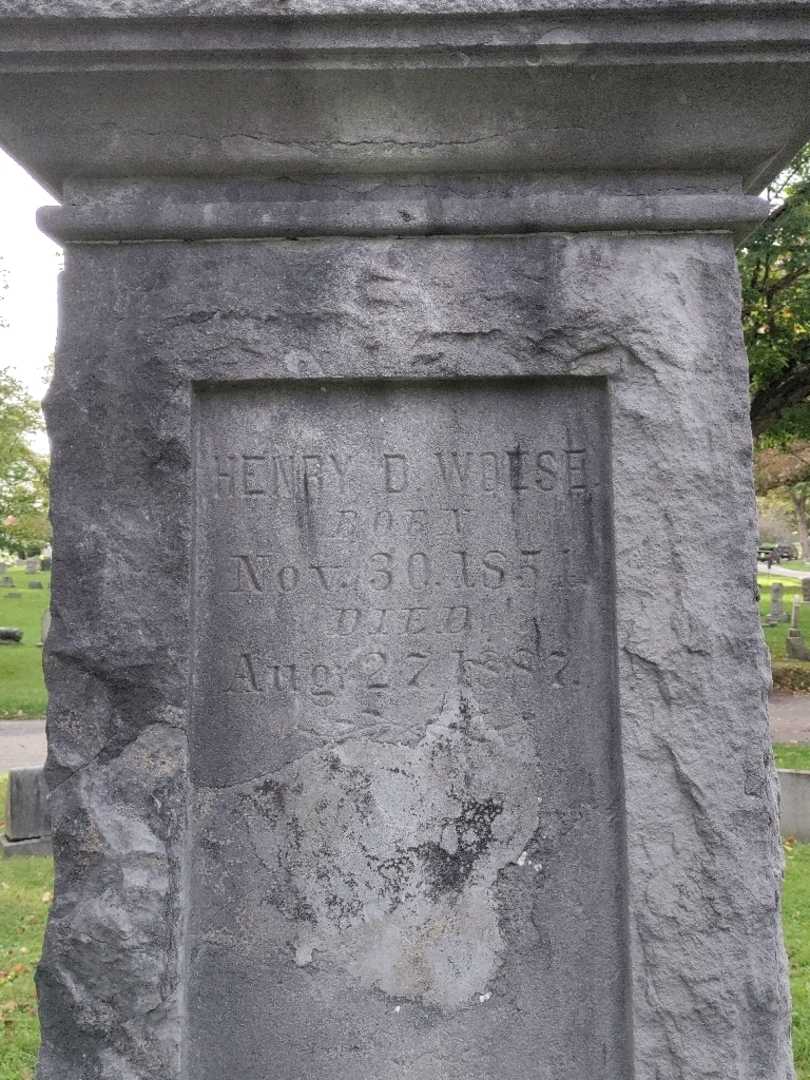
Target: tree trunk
[800, 506]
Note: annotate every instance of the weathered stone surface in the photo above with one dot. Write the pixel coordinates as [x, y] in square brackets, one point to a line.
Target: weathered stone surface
[10, 634]
[672, 91]
[37, 845]
[27, 813]
[145, 8]
[403, 743]
[108, 983]
[388, 681]
[653, 319]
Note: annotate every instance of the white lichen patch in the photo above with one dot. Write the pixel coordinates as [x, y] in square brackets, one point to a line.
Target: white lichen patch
[391, 854]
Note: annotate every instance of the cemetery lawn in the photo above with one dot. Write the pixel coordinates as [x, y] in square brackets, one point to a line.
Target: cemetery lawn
[792, 756]
[796, 919]
[25, 896]
[22, 687]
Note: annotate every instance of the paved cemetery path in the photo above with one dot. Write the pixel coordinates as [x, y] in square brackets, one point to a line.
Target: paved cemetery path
[782, 571]
[790, 717]
[22, 743]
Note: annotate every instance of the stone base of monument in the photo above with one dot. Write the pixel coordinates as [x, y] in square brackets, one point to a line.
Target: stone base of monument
[28, 823]
[795, 646]
[36, 845]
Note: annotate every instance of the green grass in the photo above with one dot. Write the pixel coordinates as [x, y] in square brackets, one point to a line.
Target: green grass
[792, 756]
[796, 919]
[796, 564]
[22, 688]
[25, 895]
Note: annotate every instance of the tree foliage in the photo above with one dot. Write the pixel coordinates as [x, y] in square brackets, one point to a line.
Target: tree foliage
[775, 270]
[24, 527]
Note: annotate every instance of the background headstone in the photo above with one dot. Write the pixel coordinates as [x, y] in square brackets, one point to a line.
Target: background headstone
[31, 566]
[795, 646]
[10, 634]
[777, 613]
[27, 828]
[7, 582]
[35, 585]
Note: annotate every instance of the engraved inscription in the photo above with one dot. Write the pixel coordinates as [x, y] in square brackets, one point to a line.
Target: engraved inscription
[406, 803]
[361, 566]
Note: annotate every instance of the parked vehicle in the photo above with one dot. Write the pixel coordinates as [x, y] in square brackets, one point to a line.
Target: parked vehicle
[777, 552]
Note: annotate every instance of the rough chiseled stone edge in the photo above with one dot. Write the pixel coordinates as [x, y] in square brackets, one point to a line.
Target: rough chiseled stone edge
[659, 317]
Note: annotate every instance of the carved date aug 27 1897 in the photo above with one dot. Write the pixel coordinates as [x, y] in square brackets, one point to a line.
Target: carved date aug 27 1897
[364, 563]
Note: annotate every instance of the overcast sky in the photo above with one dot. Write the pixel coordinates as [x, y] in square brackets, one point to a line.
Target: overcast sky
[32, 263]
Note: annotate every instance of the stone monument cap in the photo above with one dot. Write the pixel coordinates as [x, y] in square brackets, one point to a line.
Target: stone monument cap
[671, 103]
[124, 9]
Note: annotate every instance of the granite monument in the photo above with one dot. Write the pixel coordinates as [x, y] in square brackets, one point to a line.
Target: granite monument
[400, 439]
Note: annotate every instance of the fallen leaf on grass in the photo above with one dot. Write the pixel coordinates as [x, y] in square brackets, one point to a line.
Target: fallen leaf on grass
[17, 969]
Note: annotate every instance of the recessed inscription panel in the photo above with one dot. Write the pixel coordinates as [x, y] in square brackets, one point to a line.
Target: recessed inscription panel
[407, 812]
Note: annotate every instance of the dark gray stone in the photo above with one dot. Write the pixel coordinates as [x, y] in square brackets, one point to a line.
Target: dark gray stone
[10, 635]
[122, 9]
[7, 582]
[387, 681]
[289, 785]
[13, 595]
[392, 578]
[35, 585]
[27, 814]
[557, 91]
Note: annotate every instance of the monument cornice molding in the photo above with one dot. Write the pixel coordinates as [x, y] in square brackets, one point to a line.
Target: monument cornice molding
[407, 40]
[573, 93]
[427, 206]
